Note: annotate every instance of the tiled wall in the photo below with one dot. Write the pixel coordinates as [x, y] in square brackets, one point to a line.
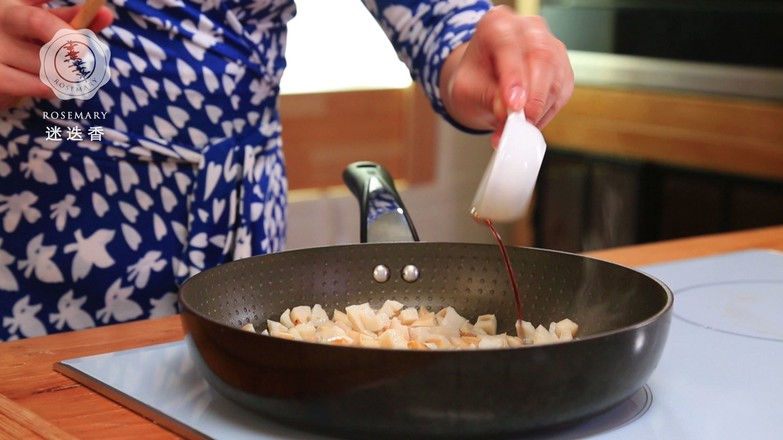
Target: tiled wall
[439, 210]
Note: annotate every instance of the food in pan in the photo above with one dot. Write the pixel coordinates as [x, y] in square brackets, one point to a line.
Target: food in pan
[398, 327]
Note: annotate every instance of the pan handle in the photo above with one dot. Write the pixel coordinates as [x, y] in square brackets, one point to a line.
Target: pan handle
[383, 216]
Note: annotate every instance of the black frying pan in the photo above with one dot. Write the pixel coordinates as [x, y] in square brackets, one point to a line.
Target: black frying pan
[623, 314]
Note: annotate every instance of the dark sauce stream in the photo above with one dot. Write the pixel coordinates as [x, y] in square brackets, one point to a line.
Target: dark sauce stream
[510, 270]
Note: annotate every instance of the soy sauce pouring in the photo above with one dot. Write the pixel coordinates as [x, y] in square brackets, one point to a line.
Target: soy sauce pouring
[506, 188]
[511, 277]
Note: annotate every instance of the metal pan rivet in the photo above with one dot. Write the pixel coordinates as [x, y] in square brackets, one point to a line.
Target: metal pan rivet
[410, 273]
[381, 273]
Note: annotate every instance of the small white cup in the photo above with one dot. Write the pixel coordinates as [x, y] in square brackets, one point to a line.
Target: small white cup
[506, 189]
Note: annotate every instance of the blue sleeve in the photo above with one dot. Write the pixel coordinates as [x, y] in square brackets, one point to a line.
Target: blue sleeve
[424, 32]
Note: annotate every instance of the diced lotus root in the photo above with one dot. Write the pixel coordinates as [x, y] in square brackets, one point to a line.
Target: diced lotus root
[493, 341]
[416, 345]
[408, 315]
[306, 330]
[319, 316]
[487, 323]
[543, 336]
[394, 326]
[356, 315]
[285, 319]
[340, 317]
[392, 338]
[566, 329]
[391, 308]
[426, 319]
[301, 314]
[329, 333]
[449, 317]
[525, 330]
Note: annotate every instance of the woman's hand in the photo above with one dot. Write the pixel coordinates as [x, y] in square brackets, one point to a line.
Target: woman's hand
[25, 26]
[512, 63]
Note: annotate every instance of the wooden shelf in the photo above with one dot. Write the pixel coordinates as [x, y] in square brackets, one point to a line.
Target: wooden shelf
[324, 132]
[734, 136]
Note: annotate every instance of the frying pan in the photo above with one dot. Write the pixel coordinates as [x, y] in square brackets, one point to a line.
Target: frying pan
[623, 314]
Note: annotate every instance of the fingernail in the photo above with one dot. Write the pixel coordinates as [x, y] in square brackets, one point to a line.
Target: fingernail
[516, 98]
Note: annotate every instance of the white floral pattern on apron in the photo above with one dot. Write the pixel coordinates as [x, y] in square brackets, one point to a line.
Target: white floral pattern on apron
[188, 172]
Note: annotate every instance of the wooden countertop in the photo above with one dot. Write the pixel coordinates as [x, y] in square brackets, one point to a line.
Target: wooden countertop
[37, 402]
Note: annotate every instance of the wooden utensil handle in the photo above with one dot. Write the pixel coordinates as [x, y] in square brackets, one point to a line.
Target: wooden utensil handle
[87, 13]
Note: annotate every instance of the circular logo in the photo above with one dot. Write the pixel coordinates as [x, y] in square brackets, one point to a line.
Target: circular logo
[75, 64]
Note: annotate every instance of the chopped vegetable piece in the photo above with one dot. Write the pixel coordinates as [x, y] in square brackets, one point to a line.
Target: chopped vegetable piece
[395, 326]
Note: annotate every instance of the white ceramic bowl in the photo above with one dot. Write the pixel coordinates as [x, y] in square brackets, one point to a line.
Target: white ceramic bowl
[506, 189]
